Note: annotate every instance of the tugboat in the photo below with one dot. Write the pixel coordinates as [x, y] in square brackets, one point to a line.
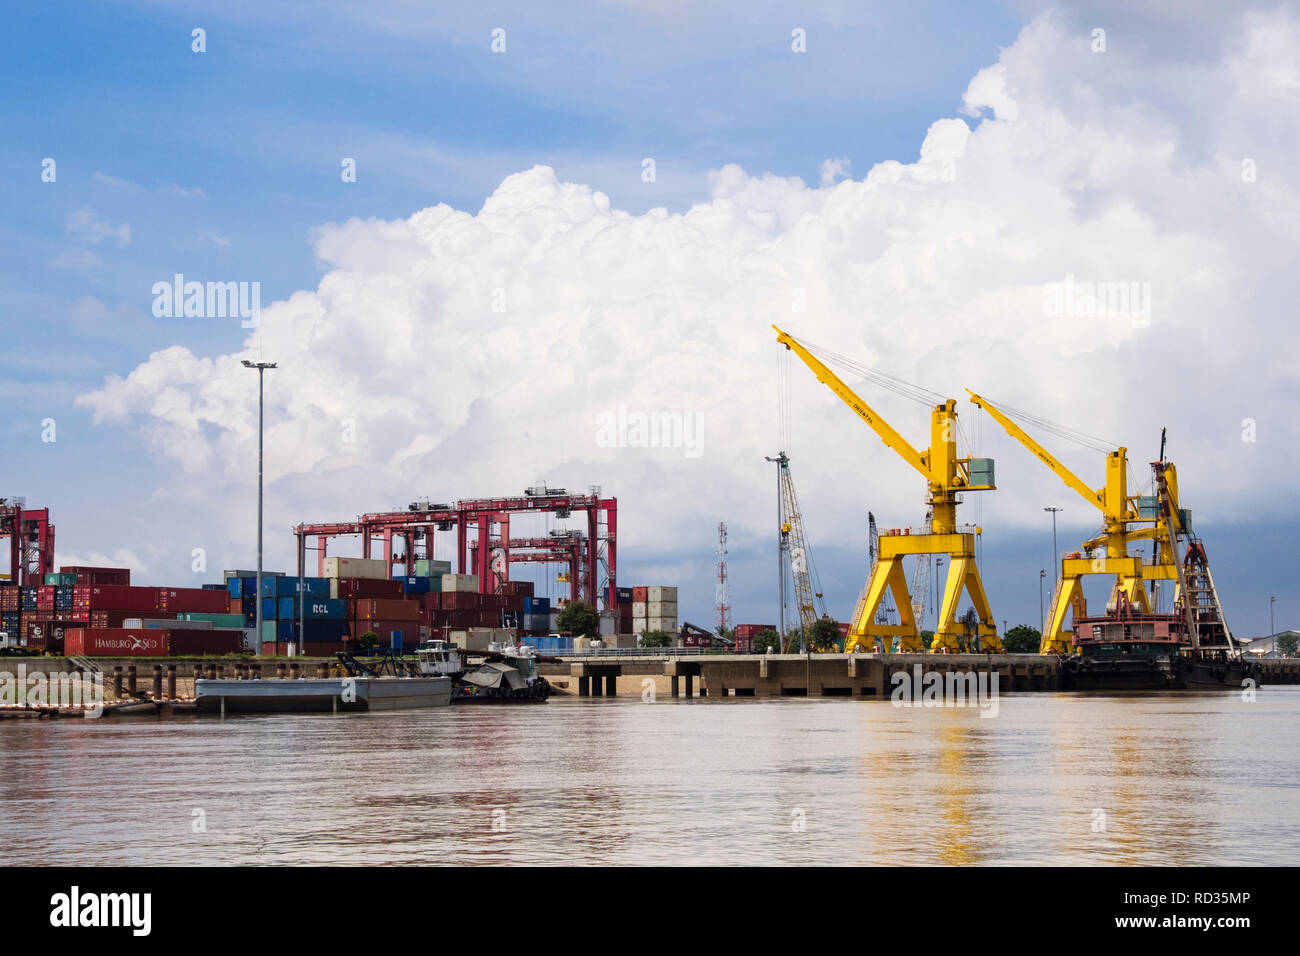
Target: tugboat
[504, 673]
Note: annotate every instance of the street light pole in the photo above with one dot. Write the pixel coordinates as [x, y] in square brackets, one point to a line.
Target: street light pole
[261, 370]
[1056, 555]
[1042, 573]
[1272, 631]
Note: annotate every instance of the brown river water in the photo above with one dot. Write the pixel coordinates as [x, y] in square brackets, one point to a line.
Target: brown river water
[1177, 778]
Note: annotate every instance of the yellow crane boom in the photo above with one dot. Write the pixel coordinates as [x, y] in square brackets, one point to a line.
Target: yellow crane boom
[947, 475]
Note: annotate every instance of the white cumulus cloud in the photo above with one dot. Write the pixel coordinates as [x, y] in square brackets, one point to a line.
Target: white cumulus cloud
[455, 353]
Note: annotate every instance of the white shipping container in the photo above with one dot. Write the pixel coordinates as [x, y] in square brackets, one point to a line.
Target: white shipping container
[638, 609]
[607, 624]
[660, 609]
[356, 568]
[466, 583]
[661, 594]
[666, 624]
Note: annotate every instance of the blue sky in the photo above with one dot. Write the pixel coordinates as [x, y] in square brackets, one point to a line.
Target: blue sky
[226, 164]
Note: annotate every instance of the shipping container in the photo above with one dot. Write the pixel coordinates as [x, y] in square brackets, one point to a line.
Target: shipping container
[459, 582]
[638, 594]
[290, 586]
[387, 609]
[88, 576]
[191, 599]
[426, 568]
[115, 642]
[624, 595]
[661, 609]
[347, 589]
[217, 620]
[415, 585]
[60, 578]
[356, 568]
[116, 597]
[205, 642]
[287, 607]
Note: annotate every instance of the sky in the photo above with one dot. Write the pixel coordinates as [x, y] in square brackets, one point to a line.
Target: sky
[480, 234]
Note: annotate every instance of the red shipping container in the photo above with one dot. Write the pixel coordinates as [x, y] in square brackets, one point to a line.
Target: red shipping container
[9, 597]
[196, 600]
[114, 597]
[45, 597]
[87, 575]
[462, 601]
[748, 631]
[387, 609]
[110, 618]
[638, 594]
[115, 642]
[369, 588]
[322, 648]
[73, 617]
[195, 641]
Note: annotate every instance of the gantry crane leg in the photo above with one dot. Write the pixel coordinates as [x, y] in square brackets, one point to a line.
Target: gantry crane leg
[963, 574]
[865, 636]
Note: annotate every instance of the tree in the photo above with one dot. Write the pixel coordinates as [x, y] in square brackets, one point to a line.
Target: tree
[1021, 639]
[1287, 643]
[825, 634]
[368, 640]
[580, 619]
[656, 639]
[763, 640]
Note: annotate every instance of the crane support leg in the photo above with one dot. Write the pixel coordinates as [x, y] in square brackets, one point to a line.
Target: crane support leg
[963, 575]
[866, 637]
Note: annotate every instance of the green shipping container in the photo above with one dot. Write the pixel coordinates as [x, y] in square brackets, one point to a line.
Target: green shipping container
[60, 579]
[425, 568]
[218, 620]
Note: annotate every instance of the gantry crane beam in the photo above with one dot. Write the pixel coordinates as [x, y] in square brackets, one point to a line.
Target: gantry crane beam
[1118, 508]
[947, 475]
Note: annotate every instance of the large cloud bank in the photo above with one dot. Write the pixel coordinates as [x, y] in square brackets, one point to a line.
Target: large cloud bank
[452, 354]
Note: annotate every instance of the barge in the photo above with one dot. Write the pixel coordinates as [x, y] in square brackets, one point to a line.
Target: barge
[321, 695]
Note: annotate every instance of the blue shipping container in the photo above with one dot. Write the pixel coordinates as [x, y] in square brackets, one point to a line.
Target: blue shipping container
[415, 585]
[536, 605]
[270, 608]
[329, 608]
[285, 586]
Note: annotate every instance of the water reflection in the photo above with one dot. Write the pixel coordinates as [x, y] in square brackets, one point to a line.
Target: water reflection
[1182, 779]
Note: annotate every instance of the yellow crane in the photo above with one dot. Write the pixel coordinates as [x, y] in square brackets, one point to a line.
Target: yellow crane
[947, 477]
[1118, 508]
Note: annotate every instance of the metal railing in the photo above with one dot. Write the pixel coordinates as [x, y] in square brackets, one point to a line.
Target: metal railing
[664, 652]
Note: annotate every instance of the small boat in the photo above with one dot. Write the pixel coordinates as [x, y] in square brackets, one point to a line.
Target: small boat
[502, 673]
